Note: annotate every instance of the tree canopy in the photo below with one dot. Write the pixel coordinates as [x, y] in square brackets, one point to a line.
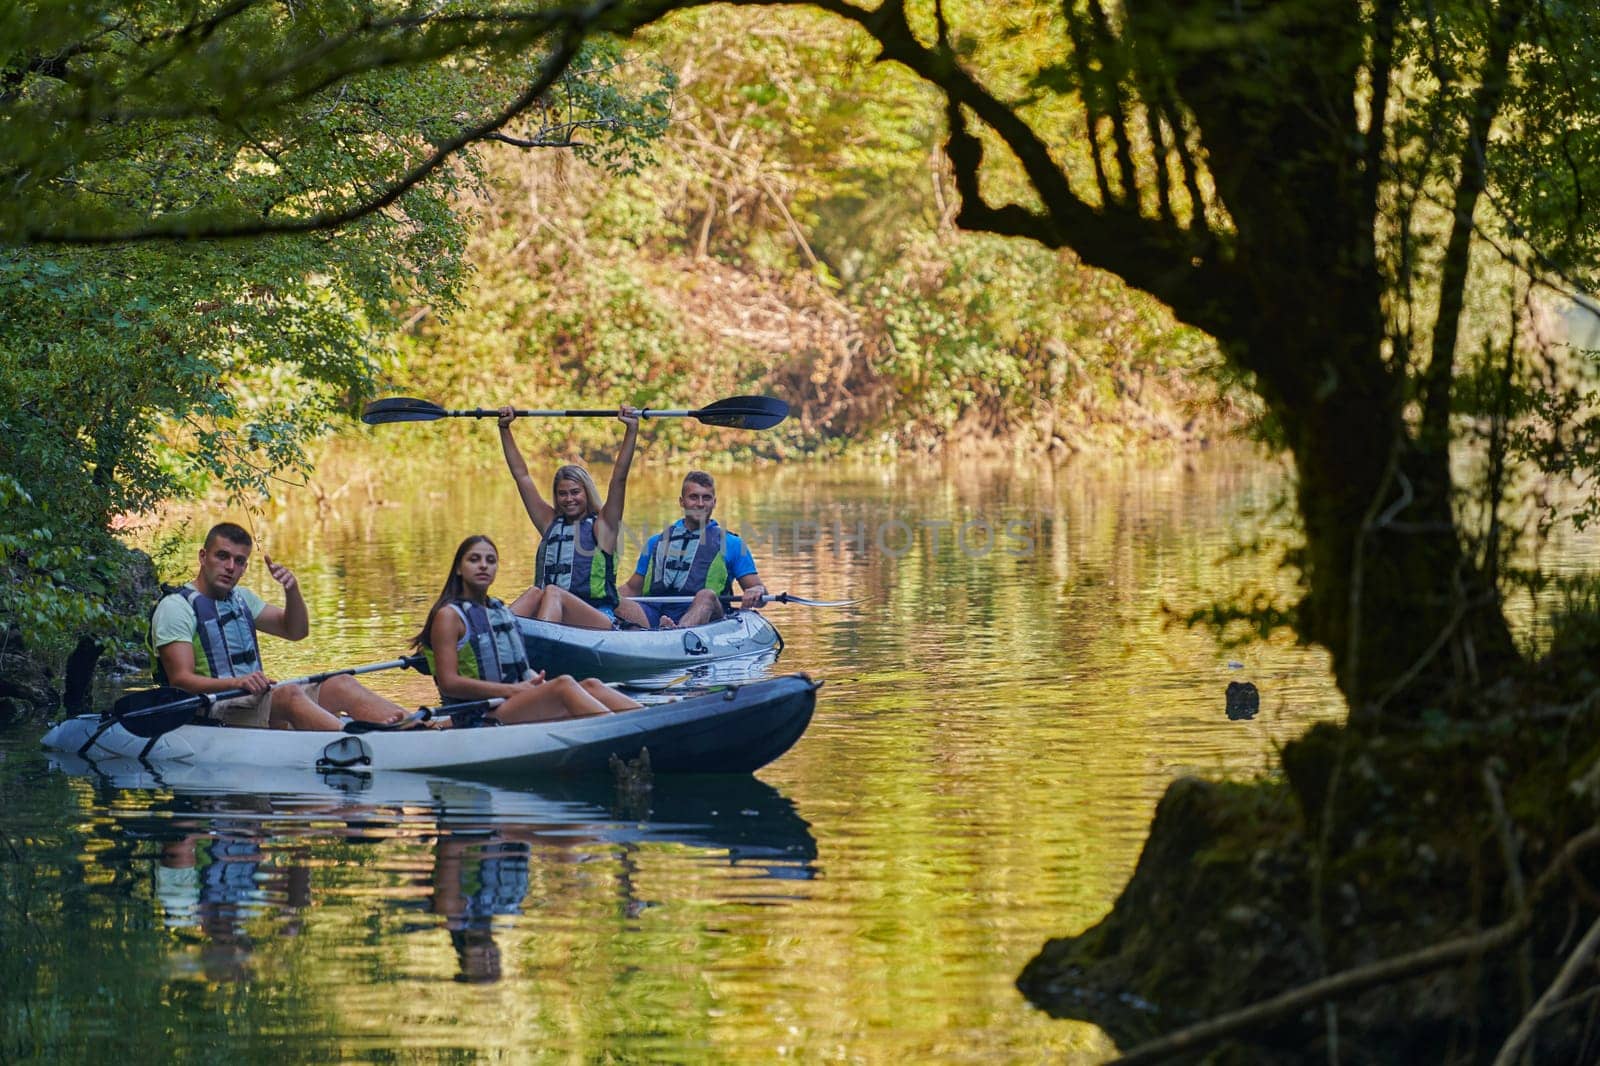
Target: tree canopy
[139, 351]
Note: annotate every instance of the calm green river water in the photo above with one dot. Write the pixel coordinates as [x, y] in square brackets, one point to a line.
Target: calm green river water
[1001, 714]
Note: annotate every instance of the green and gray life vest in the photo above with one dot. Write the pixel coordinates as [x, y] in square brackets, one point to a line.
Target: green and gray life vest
[567, 557]
[224, 637]
[688, 560]
[491, 649]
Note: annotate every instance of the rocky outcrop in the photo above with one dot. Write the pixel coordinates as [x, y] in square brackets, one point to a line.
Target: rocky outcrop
[38, 682]
[27, 685]
[1368, 848]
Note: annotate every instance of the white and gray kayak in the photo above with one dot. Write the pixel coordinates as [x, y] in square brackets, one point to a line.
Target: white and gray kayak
[733, 648]
[737, 729]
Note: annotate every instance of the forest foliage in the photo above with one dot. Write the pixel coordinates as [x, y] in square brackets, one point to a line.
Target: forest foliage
[728, 204]
[135, 371]
[795, 236]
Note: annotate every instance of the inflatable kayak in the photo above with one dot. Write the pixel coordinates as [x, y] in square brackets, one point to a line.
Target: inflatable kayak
[724, 650]
[732, 730]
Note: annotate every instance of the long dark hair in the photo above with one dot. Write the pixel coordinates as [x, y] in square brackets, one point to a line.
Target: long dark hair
[453, 589]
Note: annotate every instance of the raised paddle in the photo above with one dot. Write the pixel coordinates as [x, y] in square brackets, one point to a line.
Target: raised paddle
[157, 711]
[729, 601]
[736, 412]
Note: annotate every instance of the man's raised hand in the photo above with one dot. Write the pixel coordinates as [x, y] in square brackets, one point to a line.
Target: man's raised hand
[281, 574]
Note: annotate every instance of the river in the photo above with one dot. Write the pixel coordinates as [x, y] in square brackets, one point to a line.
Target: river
[1001, 713]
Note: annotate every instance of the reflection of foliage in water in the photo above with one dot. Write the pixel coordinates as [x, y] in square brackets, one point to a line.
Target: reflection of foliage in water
[90, 971]
[991, 739]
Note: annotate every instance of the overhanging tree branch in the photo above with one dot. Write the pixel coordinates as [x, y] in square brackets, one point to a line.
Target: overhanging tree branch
[193, 229]
[1155, 255]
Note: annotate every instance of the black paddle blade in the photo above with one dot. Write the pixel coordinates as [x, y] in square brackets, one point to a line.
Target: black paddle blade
[158, 720]
[155, 711]
[744, 412]
[787, 597]
[400, 409]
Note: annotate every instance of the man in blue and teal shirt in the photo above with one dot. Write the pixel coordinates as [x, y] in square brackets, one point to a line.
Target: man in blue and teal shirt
[692, 557]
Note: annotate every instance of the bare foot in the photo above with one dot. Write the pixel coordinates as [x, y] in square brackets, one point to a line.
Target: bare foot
[381, 717]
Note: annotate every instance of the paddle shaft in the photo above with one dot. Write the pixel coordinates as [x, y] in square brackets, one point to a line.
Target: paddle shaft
[205, 699]
[462, 713]
[674, 601]
[729, 601]
[484, 412]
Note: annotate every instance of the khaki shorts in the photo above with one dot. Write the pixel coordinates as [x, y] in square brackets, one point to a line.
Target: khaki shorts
[254, 710]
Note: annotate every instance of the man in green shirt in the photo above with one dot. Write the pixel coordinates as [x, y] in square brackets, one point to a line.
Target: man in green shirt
[203, 639]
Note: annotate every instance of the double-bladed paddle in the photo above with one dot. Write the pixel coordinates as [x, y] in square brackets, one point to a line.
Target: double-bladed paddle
[736, 412]
[157, 711]
[461, 715]
[728, 601]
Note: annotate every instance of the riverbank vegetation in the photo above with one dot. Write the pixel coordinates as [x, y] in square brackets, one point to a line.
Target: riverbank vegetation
[1376, 211]
[795, 237]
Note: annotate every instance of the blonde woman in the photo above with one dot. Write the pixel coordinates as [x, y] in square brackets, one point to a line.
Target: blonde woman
[575, 579]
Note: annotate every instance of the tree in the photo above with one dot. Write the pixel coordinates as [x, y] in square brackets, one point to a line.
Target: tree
[1363, 202]
[135, 366]
[1310, 184]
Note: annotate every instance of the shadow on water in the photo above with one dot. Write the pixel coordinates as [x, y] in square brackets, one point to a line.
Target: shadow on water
[232, 847]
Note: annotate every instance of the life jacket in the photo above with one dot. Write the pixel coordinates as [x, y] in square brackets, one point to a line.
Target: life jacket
[707, 569]
[224, 637]
[567, 556]
[491, 649]
[500, 881]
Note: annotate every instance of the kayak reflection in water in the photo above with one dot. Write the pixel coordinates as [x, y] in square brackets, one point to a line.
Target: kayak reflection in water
[217, 877]
[475, 651]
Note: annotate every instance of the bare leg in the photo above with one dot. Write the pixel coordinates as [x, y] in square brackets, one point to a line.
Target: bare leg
[705, 608]
[293, 709]
[609, 696]
[629, 611]
[560, 606]
[551, 701]
[529, 603]
[345, 695]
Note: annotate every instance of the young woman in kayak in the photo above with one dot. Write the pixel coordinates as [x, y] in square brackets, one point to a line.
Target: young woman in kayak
[575, 579]
[475, 651]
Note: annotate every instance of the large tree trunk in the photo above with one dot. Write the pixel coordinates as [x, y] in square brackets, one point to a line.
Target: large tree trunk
[1391, 592]
[1285, 275]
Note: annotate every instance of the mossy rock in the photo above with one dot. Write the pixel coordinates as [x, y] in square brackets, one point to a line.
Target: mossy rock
[1368, 848]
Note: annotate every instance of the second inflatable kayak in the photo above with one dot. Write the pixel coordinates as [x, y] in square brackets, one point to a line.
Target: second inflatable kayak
[646, 656]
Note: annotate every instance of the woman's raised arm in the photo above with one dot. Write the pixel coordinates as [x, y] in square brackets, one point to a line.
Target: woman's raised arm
[540, 510]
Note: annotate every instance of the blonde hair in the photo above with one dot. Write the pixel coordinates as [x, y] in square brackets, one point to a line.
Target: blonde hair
[572, 472]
